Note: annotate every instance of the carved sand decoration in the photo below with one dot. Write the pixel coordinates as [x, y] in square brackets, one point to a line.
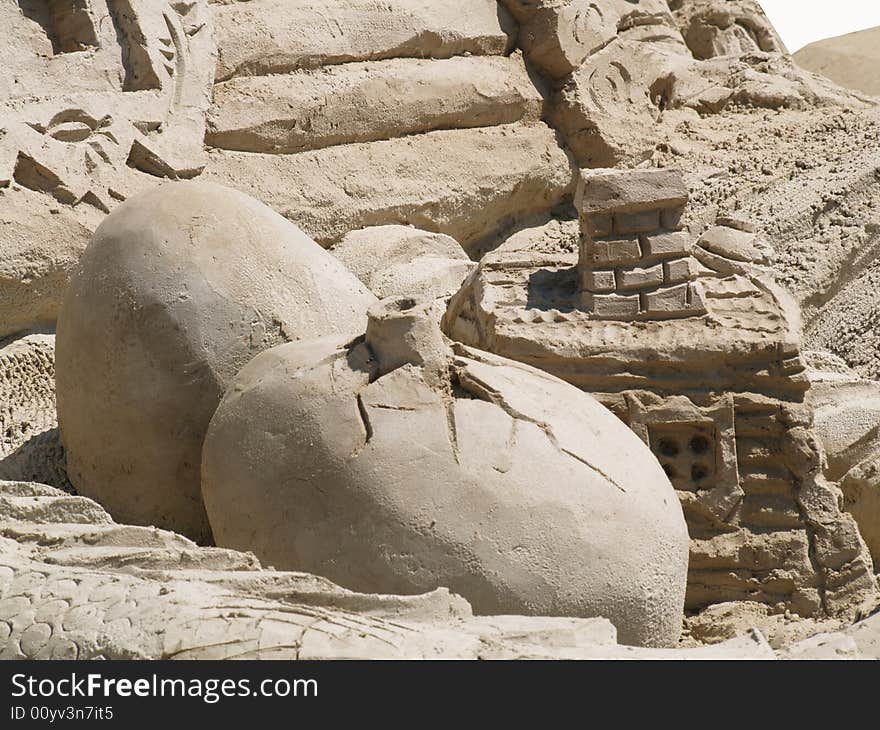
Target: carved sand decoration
[76, 585]
[394, 463]
[98, 100]
[179, 288]
[697, 349]
[351, 99]
[847, 418]
[404, 261]
[711, 28]
[410, 128]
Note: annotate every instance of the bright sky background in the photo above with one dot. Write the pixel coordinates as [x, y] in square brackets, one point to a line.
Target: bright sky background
[800, 22]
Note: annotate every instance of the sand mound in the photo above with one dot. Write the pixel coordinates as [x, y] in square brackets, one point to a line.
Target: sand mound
[849, 60]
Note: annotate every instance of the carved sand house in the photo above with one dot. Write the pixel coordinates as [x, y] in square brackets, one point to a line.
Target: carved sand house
[692, 344]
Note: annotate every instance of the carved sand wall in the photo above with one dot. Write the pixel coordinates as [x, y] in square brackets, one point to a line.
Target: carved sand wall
[343, 115]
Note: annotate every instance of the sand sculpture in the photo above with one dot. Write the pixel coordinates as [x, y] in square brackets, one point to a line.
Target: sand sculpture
[545, 509]
[847, 420]
[711, 28]
[75, 584]
[180, 287]
[99, 100]
[726, 315]
[405, 261]
[694, 347]
[424, 89]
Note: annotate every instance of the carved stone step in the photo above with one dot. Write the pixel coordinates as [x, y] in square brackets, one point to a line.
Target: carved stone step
[522, 171]
[277, 36]
[364, 102]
